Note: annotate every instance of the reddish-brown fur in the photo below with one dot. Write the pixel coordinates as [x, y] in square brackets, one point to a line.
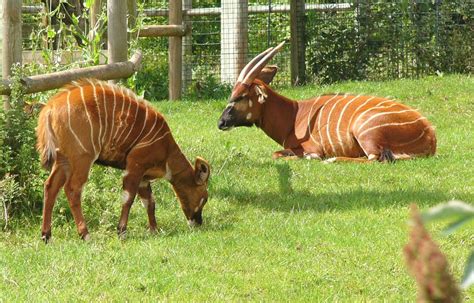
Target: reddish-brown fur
[93, 122]
[343, 126]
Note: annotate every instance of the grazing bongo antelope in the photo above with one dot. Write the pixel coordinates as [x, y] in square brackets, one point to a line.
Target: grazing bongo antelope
[91, 121]
[341, 127]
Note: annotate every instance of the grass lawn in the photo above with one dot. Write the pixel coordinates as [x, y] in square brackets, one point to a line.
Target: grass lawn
[273, 230]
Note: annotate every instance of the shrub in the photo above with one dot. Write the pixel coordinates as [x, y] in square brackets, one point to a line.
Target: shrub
[207, 86]
[152, 80]
[20, 172]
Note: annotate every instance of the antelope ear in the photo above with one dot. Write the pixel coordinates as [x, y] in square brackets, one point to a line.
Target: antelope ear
[268, 73]
[261, 93]
[202, 170]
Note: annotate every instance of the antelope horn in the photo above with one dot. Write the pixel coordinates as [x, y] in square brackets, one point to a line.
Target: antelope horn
[253, 73]
[249, 65]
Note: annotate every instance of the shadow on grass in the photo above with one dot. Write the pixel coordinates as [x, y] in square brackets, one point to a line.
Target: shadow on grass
[288, 199]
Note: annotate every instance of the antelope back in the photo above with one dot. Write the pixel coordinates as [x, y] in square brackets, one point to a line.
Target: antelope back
[103, 120]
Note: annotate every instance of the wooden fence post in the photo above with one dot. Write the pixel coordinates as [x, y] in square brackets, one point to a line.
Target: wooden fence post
[187, 75]
[132, 13]
[11, 44]
[1, 35]
[94, 13]
[117, 31]
[234, 38]
[175, 51]
[297, 20]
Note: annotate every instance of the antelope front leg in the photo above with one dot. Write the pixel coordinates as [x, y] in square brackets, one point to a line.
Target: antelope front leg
[145, 193]
[131, 183]
[288, 153]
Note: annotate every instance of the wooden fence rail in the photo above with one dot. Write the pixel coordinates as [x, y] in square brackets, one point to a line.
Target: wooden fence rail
[253, 9]
[39, 83]
[163, 31]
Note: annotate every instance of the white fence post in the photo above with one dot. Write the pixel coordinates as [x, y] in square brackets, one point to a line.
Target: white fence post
[234, 38]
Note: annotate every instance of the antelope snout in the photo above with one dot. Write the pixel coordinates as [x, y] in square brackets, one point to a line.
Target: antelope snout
[196, 220]
[225, 120]
[222, 125]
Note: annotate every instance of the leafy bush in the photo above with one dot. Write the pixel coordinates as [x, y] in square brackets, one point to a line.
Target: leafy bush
[152, 79]
[333, 54]
[207, 86]
[19, 169]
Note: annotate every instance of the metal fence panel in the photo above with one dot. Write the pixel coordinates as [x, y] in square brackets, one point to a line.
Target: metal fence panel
[343, 40]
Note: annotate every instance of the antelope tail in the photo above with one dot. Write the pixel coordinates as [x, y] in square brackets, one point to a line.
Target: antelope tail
[46, 142]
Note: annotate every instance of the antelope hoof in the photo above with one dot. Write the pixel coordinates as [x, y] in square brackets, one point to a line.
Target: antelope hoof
[122, 232]
[330, 160]
[312, 156]
[152, 230]
[86, 237]
[387, 156]
[46, 236]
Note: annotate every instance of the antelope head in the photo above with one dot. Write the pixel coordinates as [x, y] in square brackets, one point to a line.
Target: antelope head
[192, 192]
[250, 92]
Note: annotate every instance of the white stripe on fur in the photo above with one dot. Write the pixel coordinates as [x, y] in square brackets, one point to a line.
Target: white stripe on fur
[390, 124]
[69, 121]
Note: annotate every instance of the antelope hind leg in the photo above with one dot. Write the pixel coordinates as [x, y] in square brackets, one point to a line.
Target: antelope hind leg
[146, 195]
[385, 156]
[52, 185]
[75, 183]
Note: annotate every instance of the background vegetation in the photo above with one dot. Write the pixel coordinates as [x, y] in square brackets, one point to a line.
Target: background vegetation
[374, 40]
[273, 230]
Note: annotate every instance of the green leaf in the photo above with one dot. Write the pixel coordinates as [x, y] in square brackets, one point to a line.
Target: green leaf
[452, 209]
[456, 224]
[51, 33]
[88, 4]
[468, 278]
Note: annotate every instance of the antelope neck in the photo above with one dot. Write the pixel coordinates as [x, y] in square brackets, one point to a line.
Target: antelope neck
[180, 167]
[278, 116]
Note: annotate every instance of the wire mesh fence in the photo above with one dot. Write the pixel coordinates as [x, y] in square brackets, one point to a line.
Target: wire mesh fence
[342, 40]
[379, 40]
[32, 21]
[336, 40]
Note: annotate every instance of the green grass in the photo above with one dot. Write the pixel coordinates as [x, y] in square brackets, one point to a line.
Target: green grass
[273, 230]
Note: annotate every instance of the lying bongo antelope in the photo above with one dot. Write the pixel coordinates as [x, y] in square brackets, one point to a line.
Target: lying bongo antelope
[341, 127]
[94, 122]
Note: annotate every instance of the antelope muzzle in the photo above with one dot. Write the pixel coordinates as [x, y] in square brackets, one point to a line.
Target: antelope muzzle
[231, 117]
[226, 122]
[196, 219]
